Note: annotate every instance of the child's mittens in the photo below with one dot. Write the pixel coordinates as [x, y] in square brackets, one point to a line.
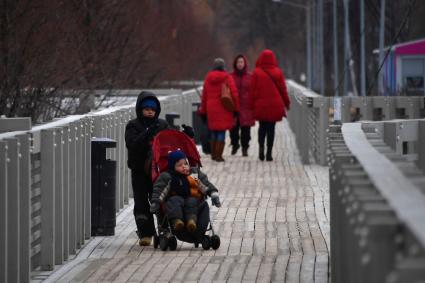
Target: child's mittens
[154, 207]
[215, 199]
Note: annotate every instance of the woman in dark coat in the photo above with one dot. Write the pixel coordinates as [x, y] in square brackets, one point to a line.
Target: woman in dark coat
[218, 118]
[268, 99]
[139, 134]
[245, 120]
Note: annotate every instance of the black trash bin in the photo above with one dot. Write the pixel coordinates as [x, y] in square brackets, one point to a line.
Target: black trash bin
[103, 173]
[202, 134]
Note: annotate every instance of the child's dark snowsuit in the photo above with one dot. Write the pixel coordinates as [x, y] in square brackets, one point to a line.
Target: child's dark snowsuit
[185, 196]
[139, 134]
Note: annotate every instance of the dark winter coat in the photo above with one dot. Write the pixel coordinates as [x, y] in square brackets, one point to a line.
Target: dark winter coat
[139, 134]
[163, 185]
[269, 104]
[218, 118]
[242, 80]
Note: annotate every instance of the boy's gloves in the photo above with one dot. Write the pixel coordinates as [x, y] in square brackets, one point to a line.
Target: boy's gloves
[188, 130]
[215, 199]
[154, 207]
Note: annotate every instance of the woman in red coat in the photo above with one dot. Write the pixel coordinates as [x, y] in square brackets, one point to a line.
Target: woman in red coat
[268, 98]
[245, 120]
[219, 119]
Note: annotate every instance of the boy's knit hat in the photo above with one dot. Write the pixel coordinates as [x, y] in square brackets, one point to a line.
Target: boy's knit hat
[174, 157]
[149, 103]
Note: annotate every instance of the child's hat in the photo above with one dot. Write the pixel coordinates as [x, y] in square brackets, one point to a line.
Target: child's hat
[174, 157]
[149, 103]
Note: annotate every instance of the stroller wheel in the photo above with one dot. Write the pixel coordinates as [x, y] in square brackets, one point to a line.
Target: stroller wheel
[163, 243]
[172, 243]
[206, 242]
[155, 241]
[215, 242]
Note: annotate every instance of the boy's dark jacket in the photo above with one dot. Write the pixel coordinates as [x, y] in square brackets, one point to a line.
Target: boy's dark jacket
[162, 185]
[139, 133]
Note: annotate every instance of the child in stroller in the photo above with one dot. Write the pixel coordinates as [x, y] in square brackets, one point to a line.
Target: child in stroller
[179, 193]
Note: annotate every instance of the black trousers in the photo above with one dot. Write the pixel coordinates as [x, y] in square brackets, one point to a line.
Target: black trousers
[181, 208]
[245, 135]
[142, 192]
[266, 130]
[202, 225]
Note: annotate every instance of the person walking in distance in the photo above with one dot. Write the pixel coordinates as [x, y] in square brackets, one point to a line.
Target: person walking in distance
[268, 99]
[245, 120]
[219, 119]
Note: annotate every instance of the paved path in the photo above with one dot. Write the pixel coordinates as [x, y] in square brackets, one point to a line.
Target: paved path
[274, 227]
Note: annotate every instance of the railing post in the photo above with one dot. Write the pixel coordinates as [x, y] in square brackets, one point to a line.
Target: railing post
[79, 185]
[421, 149]
[323, 104]
[47, 199]
[13, 215]
[25, 206]
[72, 188]
[87, 179]
[65, 182]
[59, 196]
[3, 211]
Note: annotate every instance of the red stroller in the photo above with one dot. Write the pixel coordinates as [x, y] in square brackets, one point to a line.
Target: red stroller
[164, 142]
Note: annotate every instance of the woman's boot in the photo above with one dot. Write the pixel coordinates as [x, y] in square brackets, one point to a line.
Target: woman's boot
[245, 151]
[269, 153]
[220, 148]
[261, 153]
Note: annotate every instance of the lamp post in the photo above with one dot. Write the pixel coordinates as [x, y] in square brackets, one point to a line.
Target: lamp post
[307, 9]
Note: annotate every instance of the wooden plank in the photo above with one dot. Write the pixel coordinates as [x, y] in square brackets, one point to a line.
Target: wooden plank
[273, 227]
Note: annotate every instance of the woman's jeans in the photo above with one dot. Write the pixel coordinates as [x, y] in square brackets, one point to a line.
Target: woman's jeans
[218, 136]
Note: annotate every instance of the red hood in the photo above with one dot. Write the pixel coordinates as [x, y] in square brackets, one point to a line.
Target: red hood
[216, 77]
[245, 69]
[266, 59]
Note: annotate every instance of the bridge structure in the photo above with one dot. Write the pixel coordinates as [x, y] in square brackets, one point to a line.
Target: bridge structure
[343, 200]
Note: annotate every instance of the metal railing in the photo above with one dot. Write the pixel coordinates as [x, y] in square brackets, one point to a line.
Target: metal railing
[45, 185]
[377, 201]
[311, 115]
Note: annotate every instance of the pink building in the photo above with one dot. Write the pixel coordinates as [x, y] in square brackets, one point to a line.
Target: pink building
[404, 69]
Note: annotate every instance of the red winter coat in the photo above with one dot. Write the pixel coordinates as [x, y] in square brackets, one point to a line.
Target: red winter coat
[243, 81]
[219, 119]
[265, 99]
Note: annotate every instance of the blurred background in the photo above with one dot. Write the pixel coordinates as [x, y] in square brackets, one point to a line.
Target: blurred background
[51, 50]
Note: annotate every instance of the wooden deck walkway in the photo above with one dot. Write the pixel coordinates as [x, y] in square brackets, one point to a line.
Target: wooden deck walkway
[274, 227]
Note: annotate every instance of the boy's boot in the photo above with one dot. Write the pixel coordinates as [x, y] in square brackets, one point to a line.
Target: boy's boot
[178, 224]
[244, 151]
[261, 152]
[269, 153]
[191, 224]
[144, 241]
[213, 150]
[220, 149]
